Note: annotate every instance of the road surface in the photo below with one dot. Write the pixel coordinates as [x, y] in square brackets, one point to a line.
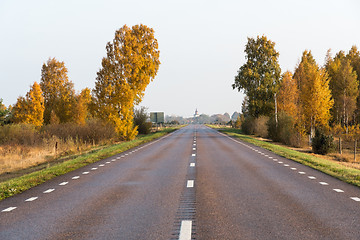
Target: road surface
[194, 183]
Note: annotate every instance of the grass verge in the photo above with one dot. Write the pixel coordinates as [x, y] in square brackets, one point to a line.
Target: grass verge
[17, 185]
[346, 174]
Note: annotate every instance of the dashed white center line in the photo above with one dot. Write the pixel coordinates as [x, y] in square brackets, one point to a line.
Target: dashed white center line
[9, 209]
[293, 168]
[286, 165]
[280, 162]
[355, 199]
[126, 154]
[49, 190]
[190, 184]
[338, 190]
[323, 183]
[185, 230]
[266, 155]
[193, 154]
[192, 164]
[107, 162]
[194, 149]
[118, 157]
[101, 165]
[31, 199]
[63, 183]
[275, 160]
[76, 177]
[94, 168]
[113, 160]
[311, 177]
[271, 157]
[302, 172]
[85, 173]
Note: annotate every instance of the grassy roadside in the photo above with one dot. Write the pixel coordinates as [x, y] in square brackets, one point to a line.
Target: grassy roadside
[346, 174]
[20, 184]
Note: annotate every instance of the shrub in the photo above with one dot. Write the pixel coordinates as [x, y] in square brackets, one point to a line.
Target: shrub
[285, 132]
[19, 134]
[140, 120]
[94, 131]
[260, 126]
[322, 143]
[248, 125]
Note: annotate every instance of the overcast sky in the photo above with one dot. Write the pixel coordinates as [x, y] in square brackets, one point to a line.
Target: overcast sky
[201, 43]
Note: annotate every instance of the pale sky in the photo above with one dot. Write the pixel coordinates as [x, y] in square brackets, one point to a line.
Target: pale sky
[201, 43]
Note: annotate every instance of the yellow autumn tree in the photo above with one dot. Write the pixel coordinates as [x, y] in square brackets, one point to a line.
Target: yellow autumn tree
[132, 61]
[58, 91]
[344, 87]
[81, 110]
[314, 94]
[288, 96]
[30, 109]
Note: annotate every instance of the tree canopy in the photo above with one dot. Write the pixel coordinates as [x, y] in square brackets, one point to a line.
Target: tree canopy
[259, 76]
[132, 61]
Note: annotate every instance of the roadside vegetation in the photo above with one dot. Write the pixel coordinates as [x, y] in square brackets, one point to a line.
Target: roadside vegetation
[55, 129]
[317, 106]
[69, 163]
[346, 172]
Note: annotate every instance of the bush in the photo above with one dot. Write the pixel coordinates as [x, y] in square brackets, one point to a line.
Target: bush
[285, 132]
[260, 126]
[19, 134]
[322, 143]
[94, 131]
[140, 120]
[248, 125]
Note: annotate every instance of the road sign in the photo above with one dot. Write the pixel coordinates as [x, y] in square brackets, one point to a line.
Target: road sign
[157, 117]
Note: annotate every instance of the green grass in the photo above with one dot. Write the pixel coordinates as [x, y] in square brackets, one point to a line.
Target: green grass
[20, 184]
[346, 174]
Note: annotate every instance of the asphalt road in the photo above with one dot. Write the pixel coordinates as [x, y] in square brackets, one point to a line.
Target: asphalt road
[194, 183]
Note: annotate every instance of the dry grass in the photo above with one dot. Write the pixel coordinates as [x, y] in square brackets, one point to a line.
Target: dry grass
[18, 157]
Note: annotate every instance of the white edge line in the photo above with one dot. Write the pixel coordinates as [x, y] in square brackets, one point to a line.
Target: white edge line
[9, 209]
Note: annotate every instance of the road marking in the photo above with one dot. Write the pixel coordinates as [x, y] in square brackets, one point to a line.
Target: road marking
[194, 144]
[293, 168]
[280, 162]
[113, 160]
[311, 177]
[193, 155]
[323, 183]
[275, 160]
[101, 165]
[94, 168]
[76, 177]
[49, 190]
[126, 154]
[271, 157]
[31, 199]
[119, 157]
[107, 162]
[85, 173]
[63, 183]
[338, 190]
[192, 164]
[9, 209]
[355, 199]
[302, 172]
[266, 155]
[190, 183]
[194, 148]
[286, 165]
[185, 230]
